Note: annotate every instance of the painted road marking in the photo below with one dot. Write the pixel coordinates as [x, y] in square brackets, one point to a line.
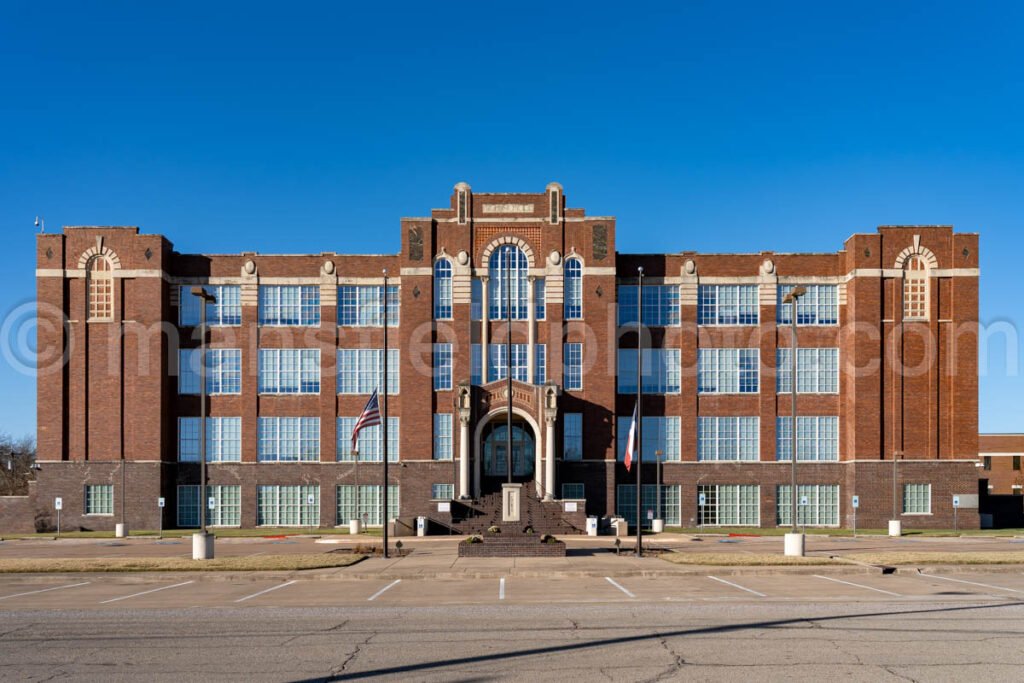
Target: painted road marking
[272, 588]
[501, 589]
[154, 590]
[44, 590]
[736, 585]
[381, 591]
[972, 583]
[858, 585]
[613, 582]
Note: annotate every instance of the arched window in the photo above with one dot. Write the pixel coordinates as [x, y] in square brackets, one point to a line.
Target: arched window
[915, 289]
[573, 289]
[443, 289]
[508, 271]
[100, 281]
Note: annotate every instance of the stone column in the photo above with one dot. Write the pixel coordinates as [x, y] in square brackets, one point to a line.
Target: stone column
[464, 456]
[531, 332]
[549, 446]
[485, 315]
[538, 469]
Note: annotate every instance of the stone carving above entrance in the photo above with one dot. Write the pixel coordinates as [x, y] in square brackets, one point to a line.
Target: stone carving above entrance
[532, 399]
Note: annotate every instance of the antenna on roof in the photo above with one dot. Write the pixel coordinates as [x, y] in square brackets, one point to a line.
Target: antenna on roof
[41, 224]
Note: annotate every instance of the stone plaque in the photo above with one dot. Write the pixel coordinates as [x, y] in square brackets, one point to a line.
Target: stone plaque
[416, 244]
[510, 502]
[508, 208]
[600, 242]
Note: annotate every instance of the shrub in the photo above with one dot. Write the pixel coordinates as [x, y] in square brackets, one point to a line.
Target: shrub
[494, 530]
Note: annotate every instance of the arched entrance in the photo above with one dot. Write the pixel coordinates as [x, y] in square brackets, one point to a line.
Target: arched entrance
[494, 452]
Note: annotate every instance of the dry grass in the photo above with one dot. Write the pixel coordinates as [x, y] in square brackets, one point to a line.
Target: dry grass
[743, 559]
[261, 563]
[938, 557]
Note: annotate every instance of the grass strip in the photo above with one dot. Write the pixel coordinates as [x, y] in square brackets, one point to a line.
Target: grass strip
[743, 559]
[261, 563]
[938, 557]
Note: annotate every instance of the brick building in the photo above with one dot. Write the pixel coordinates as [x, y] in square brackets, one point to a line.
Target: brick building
[1000, 456]
[887, 383]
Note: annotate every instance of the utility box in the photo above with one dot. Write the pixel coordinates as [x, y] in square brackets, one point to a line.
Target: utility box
[421, 526]
[591, 526]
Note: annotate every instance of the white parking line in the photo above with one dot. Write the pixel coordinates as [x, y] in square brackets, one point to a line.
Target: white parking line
[613, 582]
[381, 591]
[154, 590]
[736, 585]
[858, 585]
[501, 589]
[272, 588]
[972, 583]
[44, 590]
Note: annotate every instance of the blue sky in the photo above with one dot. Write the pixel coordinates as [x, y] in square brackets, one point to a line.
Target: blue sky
[700, 125]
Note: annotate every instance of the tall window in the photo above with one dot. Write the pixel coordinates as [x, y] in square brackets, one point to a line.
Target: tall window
[442, 367]
[289, 371]
[223, 371]
[573, 491]
[538, 298]
[917, 499]
[727, 371]
[363, 305]
[289, 439]
[819, 306]
[661, 371]
[727, 438]
[227, 310]
[287, 506]
[573, 289]
[370, 442]
[363, 503]
[100, 274]
[817, 371]
[625, 503]
[572, 436]
[915, 289]
[443, 289]
[476, 299]
[660, 305]
[223, 439]
[660, 434]
[508, 270]
[226, 510]
[727, 305]
[817, 438]
[497, 362]
[730, 505]
[360, 371]
[99, 499]
[442, 436]
[817, 505]
[572, 373]
[289, 305]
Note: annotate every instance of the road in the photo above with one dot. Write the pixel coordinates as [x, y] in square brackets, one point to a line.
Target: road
[729, 626]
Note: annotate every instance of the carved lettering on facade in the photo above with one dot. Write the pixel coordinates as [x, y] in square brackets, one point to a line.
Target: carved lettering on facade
[508, 208]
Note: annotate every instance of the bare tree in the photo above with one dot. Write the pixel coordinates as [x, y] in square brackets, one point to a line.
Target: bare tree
[17, 457]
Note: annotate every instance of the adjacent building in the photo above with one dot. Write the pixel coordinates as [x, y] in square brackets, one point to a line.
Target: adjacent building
[887, 391]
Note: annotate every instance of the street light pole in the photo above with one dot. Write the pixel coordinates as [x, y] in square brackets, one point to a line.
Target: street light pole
[794, 539]
[202, 542]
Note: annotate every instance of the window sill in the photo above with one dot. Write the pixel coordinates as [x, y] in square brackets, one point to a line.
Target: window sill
[915, 514]
[98, 514]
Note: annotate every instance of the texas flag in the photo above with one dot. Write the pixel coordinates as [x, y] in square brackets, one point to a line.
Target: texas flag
[631, 439]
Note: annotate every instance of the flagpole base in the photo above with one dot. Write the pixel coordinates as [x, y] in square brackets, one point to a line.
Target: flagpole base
[795, 545]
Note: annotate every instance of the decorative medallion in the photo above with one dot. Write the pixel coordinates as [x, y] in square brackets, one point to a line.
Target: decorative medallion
[149, 253]
[49, 252]
[329, 267]
[600, 241]
[249, 268]
[554, 258]
[416, 244]
[966, 251]
[462, 258]
[690, 267]
[768, 266]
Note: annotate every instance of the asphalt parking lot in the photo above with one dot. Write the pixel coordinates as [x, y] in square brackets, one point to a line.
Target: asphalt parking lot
[202, 590]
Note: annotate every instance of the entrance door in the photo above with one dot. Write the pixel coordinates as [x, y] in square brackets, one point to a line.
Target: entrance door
[495, 452]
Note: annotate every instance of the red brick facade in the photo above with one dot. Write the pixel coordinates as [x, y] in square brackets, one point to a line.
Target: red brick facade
[108, 390]
[1001, 457]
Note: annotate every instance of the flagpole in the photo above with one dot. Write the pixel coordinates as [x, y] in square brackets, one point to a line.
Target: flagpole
[384, 421]
[639, 407]
[508, 359]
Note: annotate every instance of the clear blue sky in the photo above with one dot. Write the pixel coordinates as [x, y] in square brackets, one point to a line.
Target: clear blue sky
[304, 127]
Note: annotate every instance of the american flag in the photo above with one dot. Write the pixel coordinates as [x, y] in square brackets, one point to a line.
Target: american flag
[368, 418]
